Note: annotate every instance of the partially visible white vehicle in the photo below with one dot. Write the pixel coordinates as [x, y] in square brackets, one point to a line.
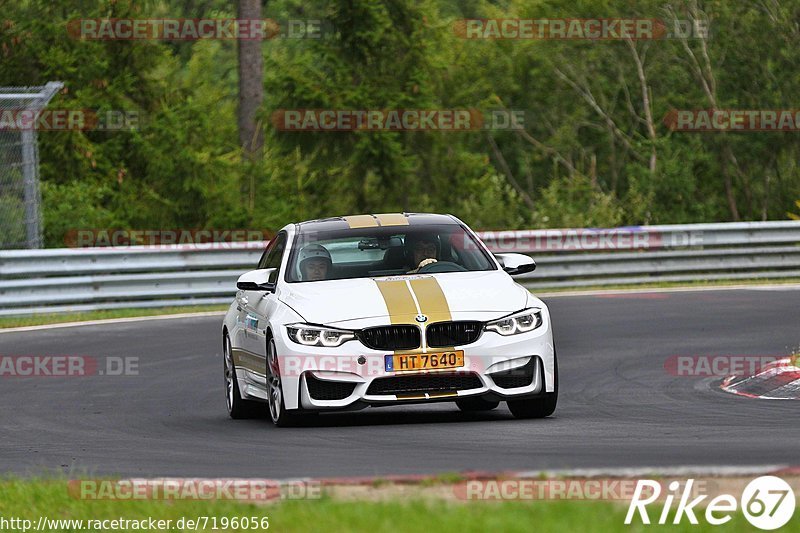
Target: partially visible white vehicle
[371, 310]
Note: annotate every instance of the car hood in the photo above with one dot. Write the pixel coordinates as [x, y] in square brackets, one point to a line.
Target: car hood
[399, 299]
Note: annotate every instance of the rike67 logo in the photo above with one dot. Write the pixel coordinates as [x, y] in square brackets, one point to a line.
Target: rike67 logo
[767, 502]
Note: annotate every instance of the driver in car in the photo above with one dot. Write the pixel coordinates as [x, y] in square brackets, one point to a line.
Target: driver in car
[423, 250]
[315, 262]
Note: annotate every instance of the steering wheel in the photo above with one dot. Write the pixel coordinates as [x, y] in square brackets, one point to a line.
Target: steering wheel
[441, 266]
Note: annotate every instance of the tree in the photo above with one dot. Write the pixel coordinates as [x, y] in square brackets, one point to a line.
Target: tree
[251, 83]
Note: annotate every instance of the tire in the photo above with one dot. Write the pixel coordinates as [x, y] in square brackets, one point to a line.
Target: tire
[238, 408]
[540, 406]
[470, 405]
[278, 413]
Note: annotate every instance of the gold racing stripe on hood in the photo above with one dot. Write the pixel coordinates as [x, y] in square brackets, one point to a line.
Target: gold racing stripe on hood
[361, 221]
[407, 298]
[392, 219]
[399, 301]
[431, 298]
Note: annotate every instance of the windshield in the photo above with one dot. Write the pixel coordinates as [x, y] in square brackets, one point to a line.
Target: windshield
[384, 251]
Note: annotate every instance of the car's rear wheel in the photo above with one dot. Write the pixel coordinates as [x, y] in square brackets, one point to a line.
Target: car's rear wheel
[280, 416]
[540, 406]
[476, 404]
[237, 407]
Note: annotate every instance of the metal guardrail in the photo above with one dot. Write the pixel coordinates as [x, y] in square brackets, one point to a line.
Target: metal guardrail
[79, 279]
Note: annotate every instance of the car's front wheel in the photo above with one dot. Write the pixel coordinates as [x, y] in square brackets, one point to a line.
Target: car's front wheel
[237, 407]
[280, 416]
[540, 406]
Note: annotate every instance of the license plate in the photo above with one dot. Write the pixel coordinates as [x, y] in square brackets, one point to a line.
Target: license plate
[424, 361]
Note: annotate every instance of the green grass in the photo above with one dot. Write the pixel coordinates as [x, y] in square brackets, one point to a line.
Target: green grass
[445, 478]
[31, 499]
[36, 320]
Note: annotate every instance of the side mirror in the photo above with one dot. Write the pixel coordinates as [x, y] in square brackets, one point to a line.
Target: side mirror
[256, 280]
[516, 264]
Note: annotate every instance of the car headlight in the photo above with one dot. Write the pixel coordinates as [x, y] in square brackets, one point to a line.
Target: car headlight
[521, 322]
[309, 335]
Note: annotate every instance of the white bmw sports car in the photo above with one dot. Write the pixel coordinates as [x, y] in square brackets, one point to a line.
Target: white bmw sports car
[371, 310]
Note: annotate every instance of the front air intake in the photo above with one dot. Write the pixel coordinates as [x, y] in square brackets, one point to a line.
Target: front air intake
[320, 389]
[435, 382]
[516, 377]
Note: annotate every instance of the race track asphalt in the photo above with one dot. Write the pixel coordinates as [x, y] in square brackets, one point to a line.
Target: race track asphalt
[618, 405]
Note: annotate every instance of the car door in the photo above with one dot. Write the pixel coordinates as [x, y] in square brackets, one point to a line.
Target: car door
[238, 334]
[257, 307]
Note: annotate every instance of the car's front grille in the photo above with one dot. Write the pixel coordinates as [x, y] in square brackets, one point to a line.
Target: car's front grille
[444, 334]
[328, 390]
[400, 337]
[516, 377]
[435, 382]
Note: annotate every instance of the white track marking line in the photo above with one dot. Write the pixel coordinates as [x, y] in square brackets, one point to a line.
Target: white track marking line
[638, 472]
[112, 321]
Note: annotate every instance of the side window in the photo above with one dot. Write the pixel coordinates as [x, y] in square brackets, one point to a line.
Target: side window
[263, 261]
[272, 257]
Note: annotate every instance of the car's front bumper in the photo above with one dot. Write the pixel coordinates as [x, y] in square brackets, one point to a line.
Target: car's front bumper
[353, 376]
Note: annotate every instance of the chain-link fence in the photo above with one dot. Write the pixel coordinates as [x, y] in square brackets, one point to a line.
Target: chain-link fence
[20, 215]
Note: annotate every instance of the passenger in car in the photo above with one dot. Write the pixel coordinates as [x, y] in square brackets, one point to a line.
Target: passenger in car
[315, 262]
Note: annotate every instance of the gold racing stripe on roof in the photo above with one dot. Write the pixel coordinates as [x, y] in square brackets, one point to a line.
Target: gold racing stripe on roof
[361, 221]
[392, 219]
[372, 221]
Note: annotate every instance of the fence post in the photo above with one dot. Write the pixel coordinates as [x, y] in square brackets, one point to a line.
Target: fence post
[24, 156]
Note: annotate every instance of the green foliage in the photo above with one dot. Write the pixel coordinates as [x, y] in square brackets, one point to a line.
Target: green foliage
[577, 203]
[13, 210]
[795, 216]
[183, 168]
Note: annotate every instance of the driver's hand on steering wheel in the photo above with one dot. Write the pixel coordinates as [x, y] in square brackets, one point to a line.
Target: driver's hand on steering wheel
[423, 263]
[426, 262]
